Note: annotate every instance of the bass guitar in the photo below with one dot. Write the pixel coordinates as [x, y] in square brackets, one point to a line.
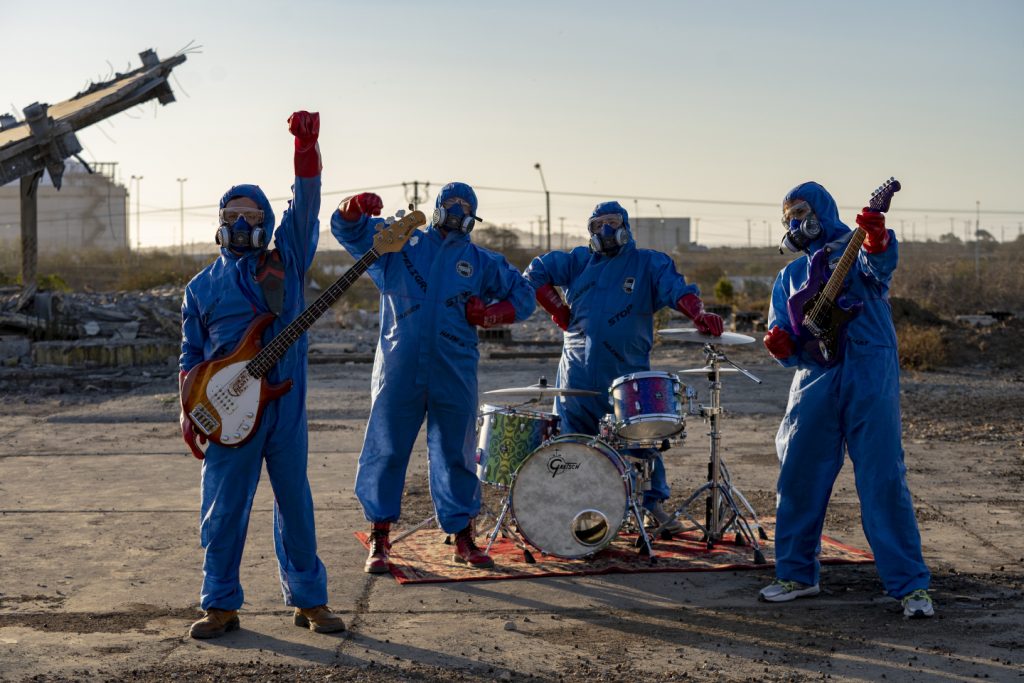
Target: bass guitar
[819, 315]
[225, 397]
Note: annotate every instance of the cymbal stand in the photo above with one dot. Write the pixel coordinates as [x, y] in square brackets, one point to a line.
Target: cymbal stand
[722, 511]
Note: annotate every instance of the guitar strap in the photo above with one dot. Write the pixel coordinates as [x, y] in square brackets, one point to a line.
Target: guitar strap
[270, 277]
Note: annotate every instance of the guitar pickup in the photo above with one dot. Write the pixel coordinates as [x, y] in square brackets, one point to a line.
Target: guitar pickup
[204, 419]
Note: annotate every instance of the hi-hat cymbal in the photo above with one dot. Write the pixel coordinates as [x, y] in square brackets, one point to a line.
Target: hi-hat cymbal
[707, 369]
[541, 390]
[689, 334]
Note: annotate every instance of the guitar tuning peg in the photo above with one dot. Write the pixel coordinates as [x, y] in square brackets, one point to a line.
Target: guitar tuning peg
[389, 220]
[400, 213]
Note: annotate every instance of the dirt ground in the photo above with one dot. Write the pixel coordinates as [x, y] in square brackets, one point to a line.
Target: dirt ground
[100, 562]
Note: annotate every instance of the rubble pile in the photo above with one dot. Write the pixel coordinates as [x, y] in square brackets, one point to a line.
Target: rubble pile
[154, 314]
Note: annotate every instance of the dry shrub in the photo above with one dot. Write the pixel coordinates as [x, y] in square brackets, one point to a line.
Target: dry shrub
[921, 348]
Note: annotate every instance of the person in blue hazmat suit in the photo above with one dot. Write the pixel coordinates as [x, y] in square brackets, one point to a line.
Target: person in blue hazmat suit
[219, 304]
[854, 404]
[612, 291]
[435, 292]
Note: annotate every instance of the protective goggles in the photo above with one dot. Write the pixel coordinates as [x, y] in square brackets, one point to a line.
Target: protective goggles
[613, 220]
[467, 209]
[228, 216]
[797, 211]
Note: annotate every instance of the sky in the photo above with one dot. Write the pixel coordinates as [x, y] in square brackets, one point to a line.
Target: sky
[676, 108]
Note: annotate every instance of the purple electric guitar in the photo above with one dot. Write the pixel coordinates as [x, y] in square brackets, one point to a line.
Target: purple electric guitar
[818, 313]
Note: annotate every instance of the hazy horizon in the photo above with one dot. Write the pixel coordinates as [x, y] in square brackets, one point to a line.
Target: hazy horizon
[672, 108]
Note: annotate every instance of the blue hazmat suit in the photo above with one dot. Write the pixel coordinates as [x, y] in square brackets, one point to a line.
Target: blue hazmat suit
[220, 303]
[426, 361]
[855, 404]
[612, 302]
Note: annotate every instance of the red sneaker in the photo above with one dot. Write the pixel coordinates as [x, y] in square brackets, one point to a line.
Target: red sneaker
[466, 551]
[380, 546]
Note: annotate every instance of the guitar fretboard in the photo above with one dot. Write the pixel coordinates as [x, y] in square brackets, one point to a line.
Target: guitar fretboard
[835, 281]
[272, 352]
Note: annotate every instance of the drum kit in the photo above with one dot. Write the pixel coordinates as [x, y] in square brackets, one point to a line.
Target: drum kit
[569, 495]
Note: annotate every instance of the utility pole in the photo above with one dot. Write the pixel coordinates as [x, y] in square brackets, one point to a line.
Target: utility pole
[696, 230]
[977, 240]
[547, 200]
[748, 234]
[138, 213]
[561, 229]
[926, 227]
[662, 228]
[415, 199]
[181, 215]
[767, 235]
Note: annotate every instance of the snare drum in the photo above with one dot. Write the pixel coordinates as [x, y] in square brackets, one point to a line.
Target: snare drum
[571, 496]
[648, 406]
[506, 436]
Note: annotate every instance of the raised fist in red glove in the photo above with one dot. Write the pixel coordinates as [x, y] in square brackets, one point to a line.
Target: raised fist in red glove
[305, 126]
[779, 343]
[873, 223]
[692, 307]
[551, 301]
[188, 432]
[501, 313]
[355, 207]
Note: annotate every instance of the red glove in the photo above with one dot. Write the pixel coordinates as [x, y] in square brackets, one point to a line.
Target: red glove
[873, 223]
[551, 301]
[187, 429]
[692, 307]
[501, 313]
[779, 343]
[305, 126]
[354, 208]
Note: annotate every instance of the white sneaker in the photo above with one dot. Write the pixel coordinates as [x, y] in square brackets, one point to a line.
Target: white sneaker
[918, 605]
[657, 516]
[784, 591]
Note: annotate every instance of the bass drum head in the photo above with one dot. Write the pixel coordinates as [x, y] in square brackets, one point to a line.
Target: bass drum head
[570, 497]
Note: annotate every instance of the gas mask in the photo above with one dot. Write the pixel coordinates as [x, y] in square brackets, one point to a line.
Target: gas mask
[241, 229]
[802, 227]
[454, 214]
[607, 234]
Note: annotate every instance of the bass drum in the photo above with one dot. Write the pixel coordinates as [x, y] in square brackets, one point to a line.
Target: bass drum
[571, 496]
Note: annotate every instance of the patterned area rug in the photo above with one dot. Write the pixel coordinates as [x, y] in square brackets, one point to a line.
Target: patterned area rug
[423, 557]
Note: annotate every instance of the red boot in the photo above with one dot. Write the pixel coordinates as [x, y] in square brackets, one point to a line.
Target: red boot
[380, 546]
[466, 551]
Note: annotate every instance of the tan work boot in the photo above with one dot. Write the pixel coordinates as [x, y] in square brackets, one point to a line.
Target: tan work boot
[380, 547]
[216, 623]
[319, 619]
[657, 516]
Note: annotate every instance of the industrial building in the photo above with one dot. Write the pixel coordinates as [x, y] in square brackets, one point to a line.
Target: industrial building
[90, 211]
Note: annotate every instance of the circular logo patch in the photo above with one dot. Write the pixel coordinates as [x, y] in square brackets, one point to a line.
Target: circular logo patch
[464, 268]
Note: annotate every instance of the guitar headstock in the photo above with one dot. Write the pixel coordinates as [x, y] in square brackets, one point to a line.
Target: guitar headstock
[393, 236]
[881, 197]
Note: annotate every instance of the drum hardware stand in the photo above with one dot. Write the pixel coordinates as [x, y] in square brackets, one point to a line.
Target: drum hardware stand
[643, 479]
[502, 526]
[722, 511]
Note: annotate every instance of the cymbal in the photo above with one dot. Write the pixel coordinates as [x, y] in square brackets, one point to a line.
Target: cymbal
[689, 334]
[707, 369]
[541, 390]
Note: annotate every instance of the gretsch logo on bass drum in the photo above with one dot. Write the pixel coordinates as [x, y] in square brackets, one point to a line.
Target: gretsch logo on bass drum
[557, 465]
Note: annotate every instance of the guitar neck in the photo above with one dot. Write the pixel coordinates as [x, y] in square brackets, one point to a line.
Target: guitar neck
[272, 352]
[835, 282]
